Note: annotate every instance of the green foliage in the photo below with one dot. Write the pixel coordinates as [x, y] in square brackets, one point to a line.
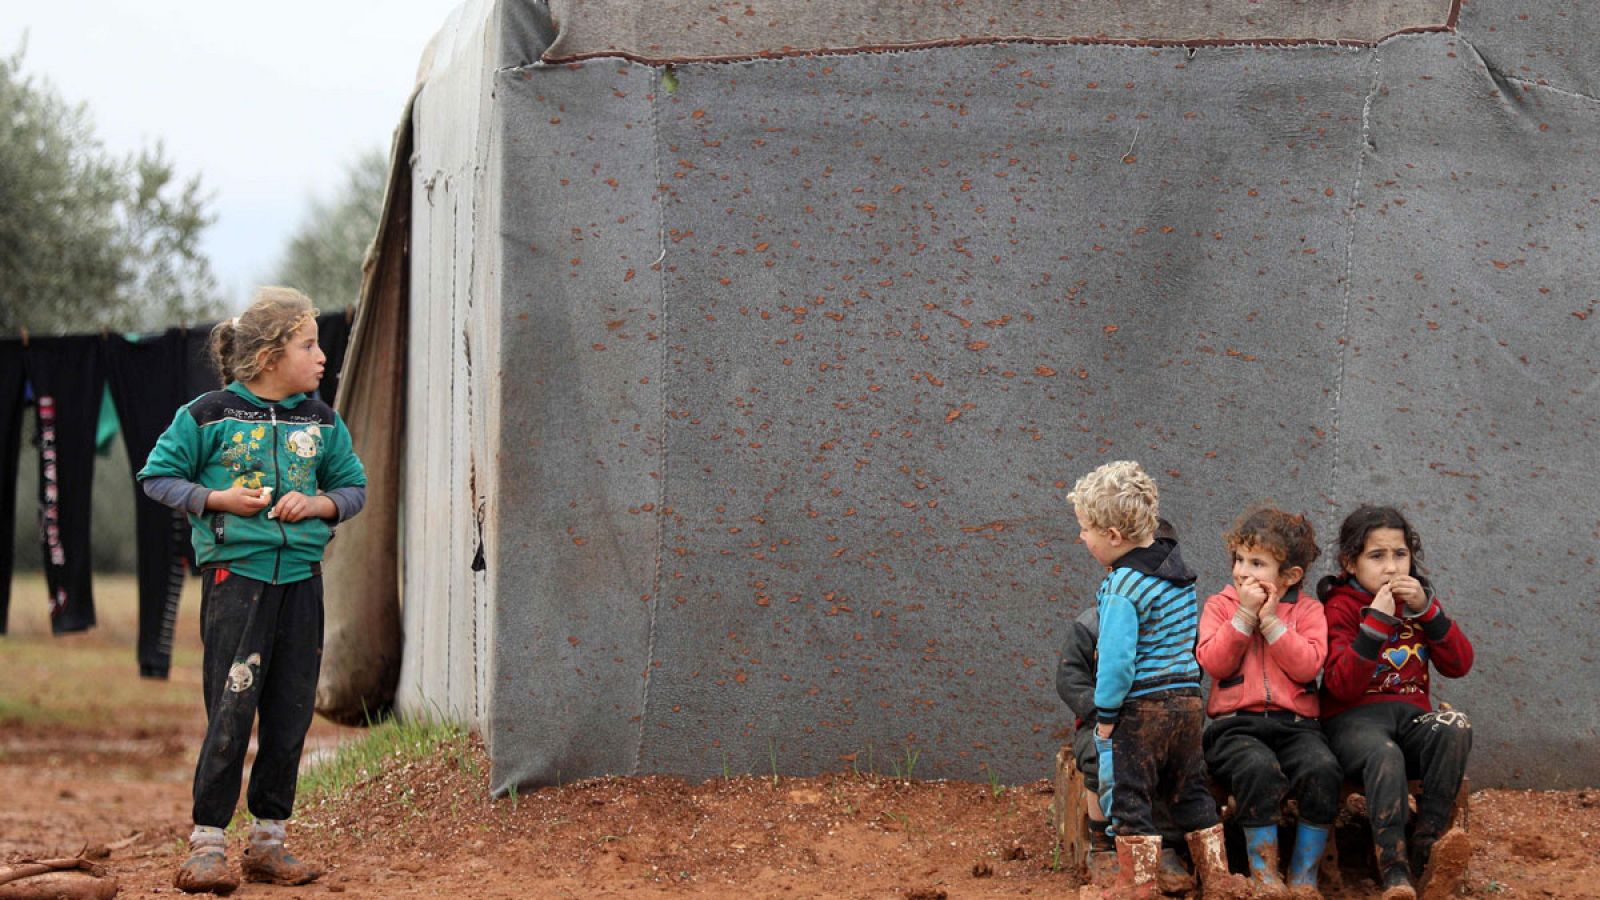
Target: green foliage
[905, 770]
[404, 740]
[996, 789]
[325, 254]
[89, 240]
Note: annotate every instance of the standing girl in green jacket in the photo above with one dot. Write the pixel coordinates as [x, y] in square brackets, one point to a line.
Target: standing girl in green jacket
[265, 470]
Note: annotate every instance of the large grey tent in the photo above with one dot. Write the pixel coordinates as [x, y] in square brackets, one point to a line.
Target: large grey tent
[749, 350]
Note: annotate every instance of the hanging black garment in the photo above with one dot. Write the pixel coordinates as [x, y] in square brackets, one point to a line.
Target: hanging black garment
[10, 443]
[148, 383]
[333, 335]
[201, 374]
[67, 388]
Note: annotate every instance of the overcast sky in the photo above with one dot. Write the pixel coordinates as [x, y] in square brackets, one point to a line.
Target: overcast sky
[268, 103]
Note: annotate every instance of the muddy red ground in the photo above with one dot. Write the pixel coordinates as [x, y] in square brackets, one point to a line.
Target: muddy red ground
[118, 781]
[426, 829]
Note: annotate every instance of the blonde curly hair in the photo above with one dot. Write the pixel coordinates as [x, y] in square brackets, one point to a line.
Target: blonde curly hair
[1119, 495]
[242, 347]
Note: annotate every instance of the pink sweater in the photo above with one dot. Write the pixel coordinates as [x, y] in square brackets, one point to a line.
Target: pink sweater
[1252, 673]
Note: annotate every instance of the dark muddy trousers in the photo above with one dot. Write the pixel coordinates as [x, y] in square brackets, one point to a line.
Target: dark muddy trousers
[1381, 743]
[263, 650]
[1156, 753]
[1262, 759]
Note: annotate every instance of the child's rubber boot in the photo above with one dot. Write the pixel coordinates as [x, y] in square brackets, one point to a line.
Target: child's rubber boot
[1444, 864]
[1172, 876]
[1210, 857]
[266, 861]
[206, 870]
[1309, 843]
[1396, 883]
[1102, 855]
[1261, 848]
[1138, 862]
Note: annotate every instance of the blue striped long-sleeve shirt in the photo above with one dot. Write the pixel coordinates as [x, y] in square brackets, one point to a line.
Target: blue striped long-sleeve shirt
[1149, 618]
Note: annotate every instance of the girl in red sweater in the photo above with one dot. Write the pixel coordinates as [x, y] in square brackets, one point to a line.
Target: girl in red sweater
[1263, 643]
[1386, 627]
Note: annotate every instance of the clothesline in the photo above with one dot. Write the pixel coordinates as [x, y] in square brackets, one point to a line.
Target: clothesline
[149, 377]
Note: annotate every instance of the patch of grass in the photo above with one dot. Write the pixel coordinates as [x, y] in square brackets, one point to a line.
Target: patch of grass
[399, 739]
[903, 769]
[20, 711]
[872, 760]
[839, 800]
[90, 680]
[996, 789]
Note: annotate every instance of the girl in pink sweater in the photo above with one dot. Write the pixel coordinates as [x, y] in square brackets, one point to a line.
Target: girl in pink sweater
[1263, 643]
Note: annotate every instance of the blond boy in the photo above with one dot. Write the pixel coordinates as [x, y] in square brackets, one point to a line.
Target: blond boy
[1147, 683]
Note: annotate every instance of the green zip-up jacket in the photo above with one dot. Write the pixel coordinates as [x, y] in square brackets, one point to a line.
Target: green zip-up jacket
[232, 437]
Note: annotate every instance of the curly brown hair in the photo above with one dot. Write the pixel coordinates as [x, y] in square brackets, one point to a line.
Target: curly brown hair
[1290, 539]
[242, 347]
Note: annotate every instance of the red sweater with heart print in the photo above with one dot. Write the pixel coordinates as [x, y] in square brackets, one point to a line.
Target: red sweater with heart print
[1376, 658]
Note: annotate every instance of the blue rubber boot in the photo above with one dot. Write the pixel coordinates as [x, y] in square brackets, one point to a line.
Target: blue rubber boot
[1309, 842]
[1261, 847]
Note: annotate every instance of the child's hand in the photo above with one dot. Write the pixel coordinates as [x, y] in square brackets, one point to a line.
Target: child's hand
[239, 500]
[1409, 591]
[1269, 608]
[1103, 730]
[1383, 601]
[294, 506]
[1252, 595]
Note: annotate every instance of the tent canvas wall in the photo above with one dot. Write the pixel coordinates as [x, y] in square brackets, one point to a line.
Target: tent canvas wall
[752, 355]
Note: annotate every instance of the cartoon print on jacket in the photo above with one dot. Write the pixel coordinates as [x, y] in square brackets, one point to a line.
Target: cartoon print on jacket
[304, 446]
[1393, 659]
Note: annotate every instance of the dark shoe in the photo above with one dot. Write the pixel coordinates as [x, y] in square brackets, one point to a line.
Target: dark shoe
[1172, 876]
[1103, 867]
[1445, 865]
[205, 872]
[1396, 882]
[271, 864]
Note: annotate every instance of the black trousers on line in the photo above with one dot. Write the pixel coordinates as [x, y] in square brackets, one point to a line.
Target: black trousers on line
[10, 448]
[1385, 743]
[148, 384]
[263, 651]
[68, 383]
[333, 335]
[1260, 761]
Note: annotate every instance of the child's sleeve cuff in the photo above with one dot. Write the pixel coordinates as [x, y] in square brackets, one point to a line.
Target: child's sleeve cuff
[1436, 625]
